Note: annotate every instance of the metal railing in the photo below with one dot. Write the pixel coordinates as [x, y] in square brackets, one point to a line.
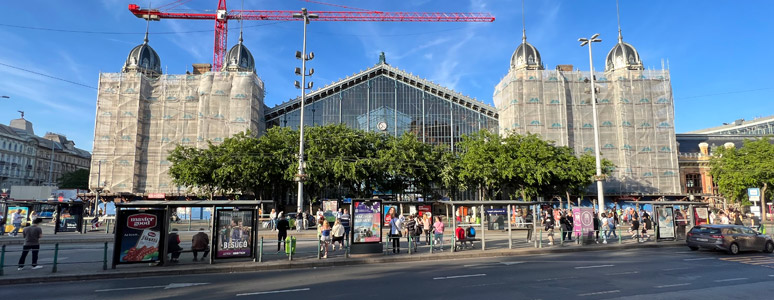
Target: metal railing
[55, 264]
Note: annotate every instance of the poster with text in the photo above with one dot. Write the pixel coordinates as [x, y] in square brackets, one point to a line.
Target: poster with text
[68, 219]
[702, 215]
[330, 207]
[139, 236]
[424, 209]
[368, 222]
[583, 220]
[234, 233]
[666, 223]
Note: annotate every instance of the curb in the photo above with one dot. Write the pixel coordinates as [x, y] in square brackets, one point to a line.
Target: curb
[313, 263]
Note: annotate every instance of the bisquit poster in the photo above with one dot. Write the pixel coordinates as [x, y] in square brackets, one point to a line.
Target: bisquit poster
[140, 237]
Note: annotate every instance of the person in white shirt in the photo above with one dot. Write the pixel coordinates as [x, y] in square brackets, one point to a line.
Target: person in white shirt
[16, 220]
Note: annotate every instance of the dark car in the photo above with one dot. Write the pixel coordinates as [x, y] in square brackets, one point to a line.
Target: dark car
[730, 238]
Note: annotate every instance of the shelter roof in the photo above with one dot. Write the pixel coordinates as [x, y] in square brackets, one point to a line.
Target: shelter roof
[196, 203]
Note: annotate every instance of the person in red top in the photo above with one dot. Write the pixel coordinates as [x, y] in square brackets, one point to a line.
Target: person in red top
[459, 233]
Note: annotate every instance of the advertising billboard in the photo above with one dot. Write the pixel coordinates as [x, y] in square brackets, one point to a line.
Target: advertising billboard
[367, 226]
[139, 236]
[701, 215]
[583, 220]
[389, 210]
[666, 223]
[234, 234]
[329, 210]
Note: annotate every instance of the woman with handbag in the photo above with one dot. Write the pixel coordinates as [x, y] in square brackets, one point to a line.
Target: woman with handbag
[395, 232]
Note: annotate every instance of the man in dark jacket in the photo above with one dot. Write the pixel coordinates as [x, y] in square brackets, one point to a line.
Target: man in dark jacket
[200, 242]
[282, 231]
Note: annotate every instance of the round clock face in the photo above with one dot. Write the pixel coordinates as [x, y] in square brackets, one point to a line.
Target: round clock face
[382, 126]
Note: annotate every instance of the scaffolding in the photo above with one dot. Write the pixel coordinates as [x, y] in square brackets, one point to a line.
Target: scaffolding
[636, 120]
[140, 119]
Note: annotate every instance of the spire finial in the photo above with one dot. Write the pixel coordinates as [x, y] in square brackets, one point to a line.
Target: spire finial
[523, 24]
[618, 13]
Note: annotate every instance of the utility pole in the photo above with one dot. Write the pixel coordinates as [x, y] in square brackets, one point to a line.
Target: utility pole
[599, 177]
[301, 177]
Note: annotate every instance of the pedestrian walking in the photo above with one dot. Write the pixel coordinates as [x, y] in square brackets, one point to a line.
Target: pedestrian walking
[548, 225]
[282, 231]
[410, 226]
[427, 226]
[395, 232]
[200, 242]
[738, 218]
[345, 221]
[338, 234]
[32, 236]
[273, 219]
[566, 225]
[596, 227]
[16, 220]
[299, 221]
[605, 227]
[611, 221]
[530, 227]
[634, 229]
[325, 237]
[438, 231]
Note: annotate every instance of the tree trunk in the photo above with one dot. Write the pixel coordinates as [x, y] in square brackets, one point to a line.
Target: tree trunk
[567, 193]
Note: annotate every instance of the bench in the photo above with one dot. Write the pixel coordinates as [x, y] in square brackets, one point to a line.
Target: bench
[463, 243]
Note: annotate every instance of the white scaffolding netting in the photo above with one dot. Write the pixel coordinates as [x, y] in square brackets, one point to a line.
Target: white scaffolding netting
[140, 120]
[635, 115]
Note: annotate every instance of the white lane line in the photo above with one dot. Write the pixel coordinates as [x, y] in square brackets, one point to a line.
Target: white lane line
[771, 275]
[731, 279]
[507, 263]
[684, 252]
[622, 273]
[273, 292]
[671, 285]
[557, 278]
[674, 269]
[598, 266]
[131, 288]
[694, 259]
[599, 293]
[459, 276]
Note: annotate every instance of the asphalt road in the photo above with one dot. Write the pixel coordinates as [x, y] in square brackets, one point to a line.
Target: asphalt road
[665, 273]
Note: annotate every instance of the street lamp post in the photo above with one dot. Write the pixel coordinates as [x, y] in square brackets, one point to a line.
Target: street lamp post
[300, 177]
[599, 178]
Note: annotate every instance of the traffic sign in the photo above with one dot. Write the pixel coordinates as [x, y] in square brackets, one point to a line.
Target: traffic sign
[754, 194]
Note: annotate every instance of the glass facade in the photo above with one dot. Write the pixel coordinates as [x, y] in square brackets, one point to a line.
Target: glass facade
[385, 99]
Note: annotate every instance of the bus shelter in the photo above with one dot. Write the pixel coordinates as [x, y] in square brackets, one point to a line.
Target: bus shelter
[668, 222]
[143, 227]
[67, 216]
[508, 204]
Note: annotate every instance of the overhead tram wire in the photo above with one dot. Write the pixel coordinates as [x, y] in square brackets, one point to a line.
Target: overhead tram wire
[49, 76]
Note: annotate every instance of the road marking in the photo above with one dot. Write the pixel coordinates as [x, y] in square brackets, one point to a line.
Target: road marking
[694, 259]
[484, 284]
[166, 287]
[683, 252]
[599, 293]
[459, 276]
[557, 278]
[622, 273]
[730, 279]
[671, 285]
[273, 292]
[598, 266]
[507, 263]
[674, 269]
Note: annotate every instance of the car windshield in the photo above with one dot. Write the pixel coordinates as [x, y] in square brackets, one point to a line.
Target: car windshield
[705, 230]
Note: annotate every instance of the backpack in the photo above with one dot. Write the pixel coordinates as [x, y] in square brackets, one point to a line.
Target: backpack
[471, 232]
[417, 229]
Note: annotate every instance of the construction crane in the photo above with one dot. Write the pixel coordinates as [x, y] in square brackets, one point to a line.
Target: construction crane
[222, 16]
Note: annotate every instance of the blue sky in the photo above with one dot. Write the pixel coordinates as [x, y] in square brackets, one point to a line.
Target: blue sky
[719, 52]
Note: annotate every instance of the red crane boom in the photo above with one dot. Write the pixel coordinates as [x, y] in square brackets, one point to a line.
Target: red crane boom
[222, 16]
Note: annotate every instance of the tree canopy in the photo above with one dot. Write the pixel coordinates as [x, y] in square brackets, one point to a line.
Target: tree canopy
[78, 179]
[735, 170]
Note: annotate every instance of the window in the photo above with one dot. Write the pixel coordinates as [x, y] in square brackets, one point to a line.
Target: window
[693, 184]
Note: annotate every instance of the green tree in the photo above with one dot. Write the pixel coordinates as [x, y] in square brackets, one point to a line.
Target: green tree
[195, 168]
[78, 179]
[407, 162]
[734, 170]
[479, 162]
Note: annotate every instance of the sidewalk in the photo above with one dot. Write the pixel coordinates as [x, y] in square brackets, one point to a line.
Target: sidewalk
[306, 257]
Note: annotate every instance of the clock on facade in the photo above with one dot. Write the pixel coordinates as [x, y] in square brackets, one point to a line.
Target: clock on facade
[382, 126]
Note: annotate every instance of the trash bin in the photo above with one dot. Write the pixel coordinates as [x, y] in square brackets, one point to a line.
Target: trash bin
[290, 245]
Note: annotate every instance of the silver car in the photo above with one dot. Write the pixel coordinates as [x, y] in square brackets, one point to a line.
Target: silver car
[730, 238]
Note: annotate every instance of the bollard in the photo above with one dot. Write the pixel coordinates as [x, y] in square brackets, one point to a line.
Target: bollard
[619, 236]
[260, 252]
[453, 242]
[541, 240]
[56, 256]
[318, 248]
[290, 255]
[2, 260]
[432, 244]
[561, 236]
[346, 247]
[104, 257]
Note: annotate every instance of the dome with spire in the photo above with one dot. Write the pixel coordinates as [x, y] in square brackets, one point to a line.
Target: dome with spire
[239, 58]
[143, 59]
[623, 56]
[526, 56]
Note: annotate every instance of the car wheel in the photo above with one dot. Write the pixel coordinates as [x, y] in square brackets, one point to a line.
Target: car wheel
[769, 247]
[693, 248]
[733, 249]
